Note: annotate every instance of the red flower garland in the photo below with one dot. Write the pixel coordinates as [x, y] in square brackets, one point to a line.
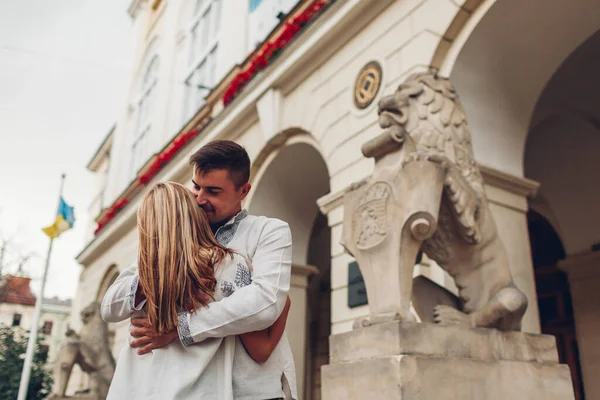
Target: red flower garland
[166, 155]
[110, 214]
[271, 49]
[161, 160]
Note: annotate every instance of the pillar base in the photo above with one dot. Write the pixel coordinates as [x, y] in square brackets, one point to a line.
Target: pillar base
[425, 361]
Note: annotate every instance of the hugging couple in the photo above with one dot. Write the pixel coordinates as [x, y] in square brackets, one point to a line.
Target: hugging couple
[208, 296]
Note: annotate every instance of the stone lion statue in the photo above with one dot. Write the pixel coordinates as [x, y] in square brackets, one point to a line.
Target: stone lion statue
[89, 350]
[426, 195]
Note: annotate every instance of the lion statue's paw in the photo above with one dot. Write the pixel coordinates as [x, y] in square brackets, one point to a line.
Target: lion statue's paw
[446, 315]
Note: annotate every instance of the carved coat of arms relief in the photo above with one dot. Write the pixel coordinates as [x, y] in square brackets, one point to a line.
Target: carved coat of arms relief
[370, 221]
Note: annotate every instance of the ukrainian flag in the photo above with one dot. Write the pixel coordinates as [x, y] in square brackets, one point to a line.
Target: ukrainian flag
[65, 218]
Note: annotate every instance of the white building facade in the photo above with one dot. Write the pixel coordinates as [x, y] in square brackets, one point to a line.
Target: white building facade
[17, 309]
[525, 72]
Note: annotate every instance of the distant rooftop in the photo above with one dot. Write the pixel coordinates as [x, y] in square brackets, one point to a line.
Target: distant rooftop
[16, 290]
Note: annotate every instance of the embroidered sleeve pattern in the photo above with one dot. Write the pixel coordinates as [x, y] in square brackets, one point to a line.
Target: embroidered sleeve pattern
[132, 291]
[183, 329]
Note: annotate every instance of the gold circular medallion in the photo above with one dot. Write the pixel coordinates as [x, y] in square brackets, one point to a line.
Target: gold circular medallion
[367, 85]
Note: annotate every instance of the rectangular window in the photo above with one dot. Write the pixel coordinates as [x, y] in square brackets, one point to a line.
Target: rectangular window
[254, 4]
[140, 151]
[199, 81]
[211, 76]
[141, 145]
[205, 30]
[16, 320]
[202, 73]
[190, 93]
[199, 6]
[215, 22]
[194, 39]
[264, 16]
[47, 329]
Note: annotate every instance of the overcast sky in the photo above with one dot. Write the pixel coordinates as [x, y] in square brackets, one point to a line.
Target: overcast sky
[63, 71]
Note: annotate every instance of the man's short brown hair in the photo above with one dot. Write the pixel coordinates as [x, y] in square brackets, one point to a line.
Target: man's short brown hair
[223, 154]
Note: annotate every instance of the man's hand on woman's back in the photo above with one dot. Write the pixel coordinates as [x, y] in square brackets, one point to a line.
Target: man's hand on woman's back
[146, 339]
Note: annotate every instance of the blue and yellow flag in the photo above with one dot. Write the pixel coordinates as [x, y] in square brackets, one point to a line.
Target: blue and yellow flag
[65, 218]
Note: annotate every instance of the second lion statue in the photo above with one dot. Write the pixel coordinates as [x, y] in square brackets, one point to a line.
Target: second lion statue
[427, 194]
[90, 350]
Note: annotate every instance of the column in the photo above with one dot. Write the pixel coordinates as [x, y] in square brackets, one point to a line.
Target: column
[584, 279]
[296, 327]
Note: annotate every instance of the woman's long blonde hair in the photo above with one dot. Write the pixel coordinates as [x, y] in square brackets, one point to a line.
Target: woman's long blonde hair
[177, 254]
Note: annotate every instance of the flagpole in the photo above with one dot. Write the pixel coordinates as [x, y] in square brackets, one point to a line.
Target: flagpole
[33, 333]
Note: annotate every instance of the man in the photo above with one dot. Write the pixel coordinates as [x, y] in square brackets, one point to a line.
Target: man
[221, 171]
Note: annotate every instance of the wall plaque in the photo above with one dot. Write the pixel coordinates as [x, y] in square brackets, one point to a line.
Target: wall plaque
[367, 85]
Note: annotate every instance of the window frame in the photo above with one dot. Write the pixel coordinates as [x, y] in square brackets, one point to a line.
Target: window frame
[197, 57]
[47, 327]
[144, 101]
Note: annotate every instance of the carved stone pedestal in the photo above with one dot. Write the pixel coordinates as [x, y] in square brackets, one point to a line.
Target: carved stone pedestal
[425, 361]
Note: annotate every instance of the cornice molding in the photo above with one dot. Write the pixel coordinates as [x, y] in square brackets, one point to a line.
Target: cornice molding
[520, 186]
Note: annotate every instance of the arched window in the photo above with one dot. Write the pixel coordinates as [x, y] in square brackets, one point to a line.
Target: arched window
[201, 75]
[140, 150]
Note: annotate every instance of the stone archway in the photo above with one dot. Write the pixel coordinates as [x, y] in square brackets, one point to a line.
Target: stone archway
[561, 155]
[528, 84]
[287, 182]
[500, 55]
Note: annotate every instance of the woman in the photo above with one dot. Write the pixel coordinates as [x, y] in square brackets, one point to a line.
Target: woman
[180, 265]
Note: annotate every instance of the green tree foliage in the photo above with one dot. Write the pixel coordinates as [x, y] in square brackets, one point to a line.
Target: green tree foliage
[13, 344]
